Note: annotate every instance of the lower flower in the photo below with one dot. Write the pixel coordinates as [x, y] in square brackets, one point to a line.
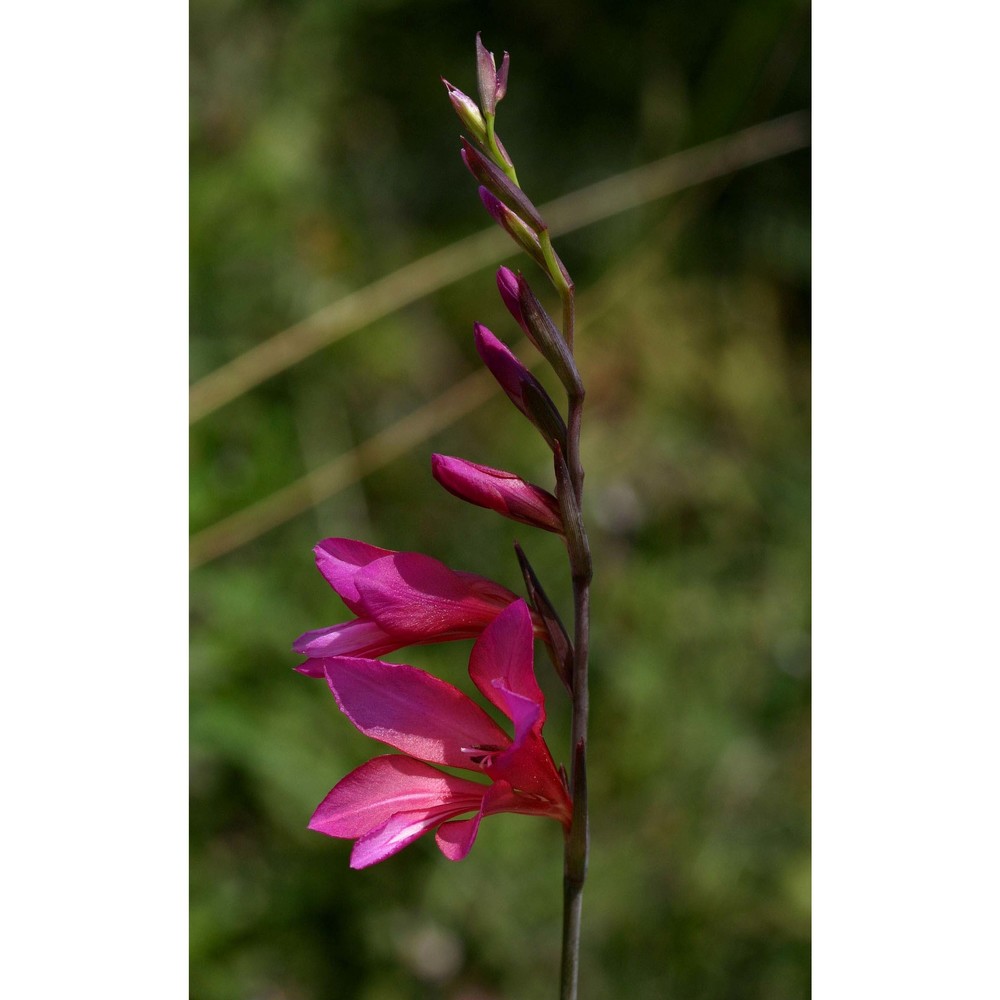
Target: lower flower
[392, 800]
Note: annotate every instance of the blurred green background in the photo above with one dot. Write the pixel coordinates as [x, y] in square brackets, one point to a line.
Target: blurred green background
[324, 156]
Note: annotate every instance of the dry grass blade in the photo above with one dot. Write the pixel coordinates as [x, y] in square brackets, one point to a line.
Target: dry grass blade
[437, 270]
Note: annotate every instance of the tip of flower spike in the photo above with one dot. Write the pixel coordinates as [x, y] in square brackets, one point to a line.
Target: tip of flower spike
[486, 75]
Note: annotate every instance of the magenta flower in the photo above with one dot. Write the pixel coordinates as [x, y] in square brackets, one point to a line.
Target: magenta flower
[392, 800]
[497, 490]
[400, 599]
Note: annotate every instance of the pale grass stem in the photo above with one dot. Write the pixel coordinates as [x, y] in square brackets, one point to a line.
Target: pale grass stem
[437, 270]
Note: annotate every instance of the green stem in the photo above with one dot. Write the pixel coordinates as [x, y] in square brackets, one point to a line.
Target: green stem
[562, 282]
[491, 140]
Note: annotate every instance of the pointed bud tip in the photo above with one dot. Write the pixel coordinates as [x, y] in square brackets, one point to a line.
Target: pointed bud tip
[502, 74]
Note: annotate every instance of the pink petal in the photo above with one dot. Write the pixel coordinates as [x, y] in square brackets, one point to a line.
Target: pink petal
[356, 638]
[417, 597]
[412, 711]
[455, 839]
[311, 668]
[387, 785]
[340, 560]
[503, 660]
[391, 837]
[527, 714]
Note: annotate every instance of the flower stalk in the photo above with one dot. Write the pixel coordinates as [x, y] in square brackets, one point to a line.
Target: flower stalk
[516, 213]
[402, 599]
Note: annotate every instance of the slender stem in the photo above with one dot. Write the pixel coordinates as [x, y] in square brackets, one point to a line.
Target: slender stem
[577, 847]
[491, 140]
[578, 838]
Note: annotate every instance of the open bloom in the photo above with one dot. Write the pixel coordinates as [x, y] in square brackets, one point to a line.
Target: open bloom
[392, 800]
[400, 599]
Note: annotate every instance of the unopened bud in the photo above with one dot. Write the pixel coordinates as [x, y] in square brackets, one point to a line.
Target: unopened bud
[498, 490]
[492, 85]
[467, 111]
[507, 286]
[494, 179]
[545, 335]
[558, 644]
[522, 388]
[518, 230]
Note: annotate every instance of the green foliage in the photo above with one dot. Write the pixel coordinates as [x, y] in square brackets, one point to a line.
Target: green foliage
[324, 154]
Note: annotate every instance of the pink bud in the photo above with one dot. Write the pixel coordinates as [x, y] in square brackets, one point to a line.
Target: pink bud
[523, 389]
[508, 287]
[498, 490]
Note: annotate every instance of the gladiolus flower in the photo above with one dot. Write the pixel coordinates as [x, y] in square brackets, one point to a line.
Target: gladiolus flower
[400, 599]
[390, 801]
[497, 490]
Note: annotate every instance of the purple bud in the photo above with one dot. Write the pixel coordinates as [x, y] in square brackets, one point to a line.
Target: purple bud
[522, 388]
[559, 646]
[509, 292]
[498, 490]
[493, 178]
[545, 335]
[486, 75]
[494, 205]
